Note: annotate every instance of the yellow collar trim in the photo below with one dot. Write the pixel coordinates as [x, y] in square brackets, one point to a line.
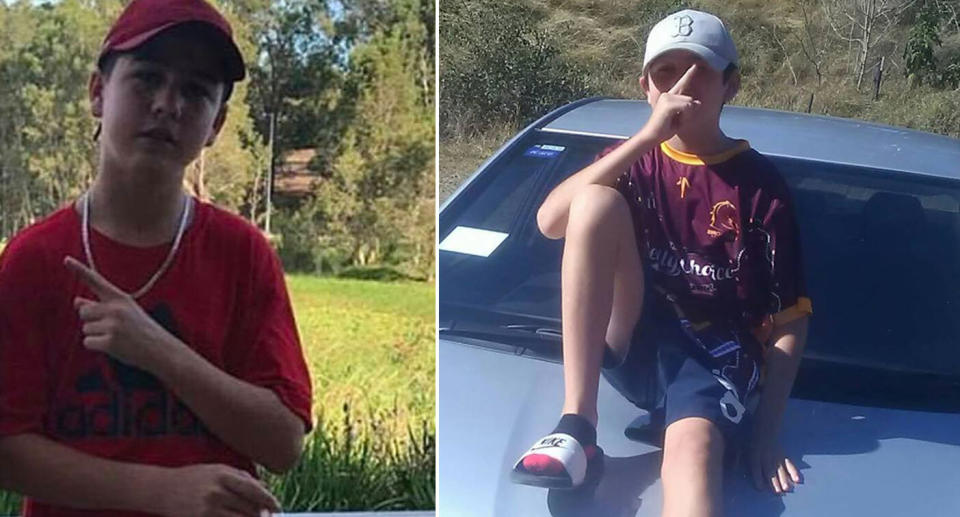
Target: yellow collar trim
[713, 159]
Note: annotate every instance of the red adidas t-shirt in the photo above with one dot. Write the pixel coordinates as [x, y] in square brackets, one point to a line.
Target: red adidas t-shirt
[719, 235]
[224, 295]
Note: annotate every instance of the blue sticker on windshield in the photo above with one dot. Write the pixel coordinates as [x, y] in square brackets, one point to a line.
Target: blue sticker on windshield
[544, 151]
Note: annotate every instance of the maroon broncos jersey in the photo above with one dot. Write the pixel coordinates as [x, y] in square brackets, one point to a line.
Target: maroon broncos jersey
[718, 236]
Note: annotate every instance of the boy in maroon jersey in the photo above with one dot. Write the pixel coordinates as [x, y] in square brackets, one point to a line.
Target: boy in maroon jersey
[681, 281]
[148, 352]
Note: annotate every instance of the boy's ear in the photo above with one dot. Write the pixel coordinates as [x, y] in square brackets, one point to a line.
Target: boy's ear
[645, 85]
[95, 91]
[217, 125]
[733, 86]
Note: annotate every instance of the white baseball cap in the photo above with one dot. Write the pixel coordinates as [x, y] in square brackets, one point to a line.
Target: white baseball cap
[699, 32]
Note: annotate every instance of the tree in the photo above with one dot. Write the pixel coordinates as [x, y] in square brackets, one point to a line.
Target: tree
[498, 69]
[45, 124]
[863, 23]
[813, 51]
[918, 52]
[297, 99]
[922, 64]
[379, 203]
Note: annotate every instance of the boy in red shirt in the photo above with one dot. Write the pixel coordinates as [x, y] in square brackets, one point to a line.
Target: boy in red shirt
[148, 352]
[681, 281]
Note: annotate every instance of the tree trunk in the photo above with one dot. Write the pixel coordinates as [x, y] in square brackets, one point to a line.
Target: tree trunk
[269, 195]
[869, 17]
[201, 176]
[256, 197]
[193, 180]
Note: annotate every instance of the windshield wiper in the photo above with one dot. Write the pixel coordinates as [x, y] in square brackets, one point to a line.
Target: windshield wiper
[518, 338]
[545, 332]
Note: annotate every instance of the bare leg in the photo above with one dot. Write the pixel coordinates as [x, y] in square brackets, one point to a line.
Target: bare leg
[692, 471]
[602, 291]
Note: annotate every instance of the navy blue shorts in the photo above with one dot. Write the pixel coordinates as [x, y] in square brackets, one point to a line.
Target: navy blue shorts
[675, 372]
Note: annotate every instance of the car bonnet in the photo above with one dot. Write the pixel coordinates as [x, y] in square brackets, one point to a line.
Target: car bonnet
[856, 460]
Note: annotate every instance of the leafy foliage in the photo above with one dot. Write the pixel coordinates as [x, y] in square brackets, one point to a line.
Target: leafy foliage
[376, 205]
[499, 67]
[351, 80]
[918, 53]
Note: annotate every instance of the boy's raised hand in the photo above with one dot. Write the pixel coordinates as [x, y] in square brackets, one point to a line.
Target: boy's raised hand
[116, 324]
[672, 109]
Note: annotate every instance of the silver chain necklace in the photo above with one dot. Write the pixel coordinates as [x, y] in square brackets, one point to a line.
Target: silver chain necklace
[85, 233]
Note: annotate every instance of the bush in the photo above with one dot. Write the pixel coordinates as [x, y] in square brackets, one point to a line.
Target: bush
[924, 108]
[380, 273]
[304, 242]
[499, 68]
[329, 235]
[297, 242]
[354, 465]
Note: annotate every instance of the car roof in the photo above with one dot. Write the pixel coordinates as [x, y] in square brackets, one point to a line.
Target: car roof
[782, 133]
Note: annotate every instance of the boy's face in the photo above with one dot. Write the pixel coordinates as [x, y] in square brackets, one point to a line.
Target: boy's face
[160, 107]
[706, 85]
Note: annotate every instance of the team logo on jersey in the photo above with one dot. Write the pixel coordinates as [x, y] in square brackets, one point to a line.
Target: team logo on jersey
[684, 184]
[723, 218]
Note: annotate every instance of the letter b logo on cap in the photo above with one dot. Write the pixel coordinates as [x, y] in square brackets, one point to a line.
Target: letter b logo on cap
[711, 40]
[684, 26]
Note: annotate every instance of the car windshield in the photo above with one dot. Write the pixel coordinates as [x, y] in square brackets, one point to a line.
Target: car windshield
[880, 251]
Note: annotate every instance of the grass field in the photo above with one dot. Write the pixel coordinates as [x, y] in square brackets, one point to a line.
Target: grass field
[370, 350]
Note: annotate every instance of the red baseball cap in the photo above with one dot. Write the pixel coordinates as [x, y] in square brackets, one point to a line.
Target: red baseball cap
[144, 19]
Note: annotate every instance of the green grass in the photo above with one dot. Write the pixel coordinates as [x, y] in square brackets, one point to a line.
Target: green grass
[370, 350]
[350, 465]
[368, 344]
